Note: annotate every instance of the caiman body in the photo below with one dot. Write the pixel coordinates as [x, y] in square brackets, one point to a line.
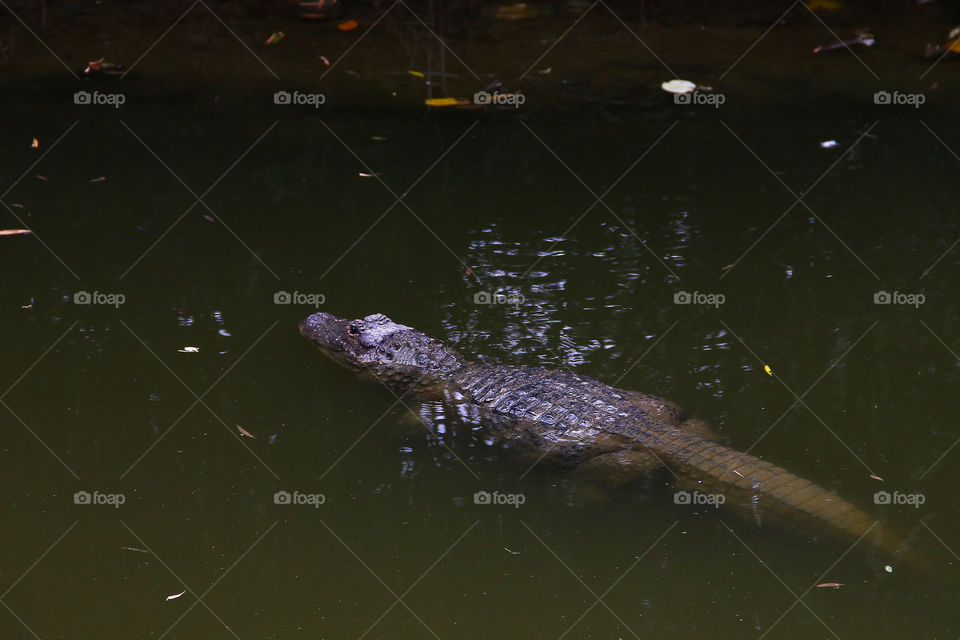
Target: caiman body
[574, 419]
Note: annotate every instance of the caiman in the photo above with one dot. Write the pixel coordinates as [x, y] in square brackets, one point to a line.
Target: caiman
[572, 419]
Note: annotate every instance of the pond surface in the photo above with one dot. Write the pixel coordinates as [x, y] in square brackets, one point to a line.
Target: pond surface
[595, 228]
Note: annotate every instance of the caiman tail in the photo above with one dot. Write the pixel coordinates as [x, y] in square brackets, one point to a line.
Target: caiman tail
[764, 491]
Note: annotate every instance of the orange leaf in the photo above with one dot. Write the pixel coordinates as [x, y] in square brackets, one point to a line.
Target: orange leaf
[349, 25]
[444, 102]
[13, 232]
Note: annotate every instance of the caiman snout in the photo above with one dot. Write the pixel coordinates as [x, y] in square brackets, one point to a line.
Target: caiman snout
[310, 325]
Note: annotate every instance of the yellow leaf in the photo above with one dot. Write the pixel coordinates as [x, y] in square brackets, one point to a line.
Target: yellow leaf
[416, 74]
[767, 368]
[444, 102]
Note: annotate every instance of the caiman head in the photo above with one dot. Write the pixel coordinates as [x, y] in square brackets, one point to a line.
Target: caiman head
[376, 345]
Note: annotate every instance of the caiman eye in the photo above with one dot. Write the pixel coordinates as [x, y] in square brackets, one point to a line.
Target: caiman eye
[353, 330]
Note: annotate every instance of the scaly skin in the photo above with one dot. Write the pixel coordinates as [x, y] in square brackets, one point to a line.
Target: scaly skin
[572, 419]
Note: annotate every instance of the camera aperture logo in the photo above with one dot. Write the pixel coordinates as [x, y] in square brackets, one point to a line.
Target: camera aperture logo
[485, 297]
[496, 498]
[697, 98]
[114, 100]
[910, 99]
[112, 299]
[697, 498]
[711, 299]
[911, 299]
[110, 499]
[296, 498]
[498, 99]
[298, 98]
[899, 499]
[297, 297]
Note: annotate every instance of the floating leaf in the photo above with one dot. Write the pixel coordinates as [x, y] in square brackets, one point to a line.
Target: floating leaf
[189, 350]
[14, 232]
[349, 25]
[444, 102]
[244, 432]
[768, 370]
[100, 179]
[416, 74]
[878, 478]
[175, 596]
[35, 144]
[94, 65]
[275, 37]
[829, 585]
[678, 86]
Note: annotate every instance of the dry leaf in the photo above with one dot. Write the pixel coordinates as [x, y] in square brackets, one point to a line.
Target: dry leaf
[175, 596]
[349, 25]
[829, 585]
[416, 74]
[444, 102]
[244, 432]
[768, 370]
[189, 350]
[13, 232]
[100, 179]
[877, 478]
[678, 86]
[35, 144]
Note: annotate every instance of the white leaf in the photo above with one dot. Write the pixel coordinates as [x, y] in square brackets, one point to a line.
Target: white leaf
[678, 86]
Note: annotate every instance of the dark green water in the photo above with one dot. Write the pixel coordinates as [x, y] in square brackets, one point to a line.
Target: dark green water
[101, 400]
